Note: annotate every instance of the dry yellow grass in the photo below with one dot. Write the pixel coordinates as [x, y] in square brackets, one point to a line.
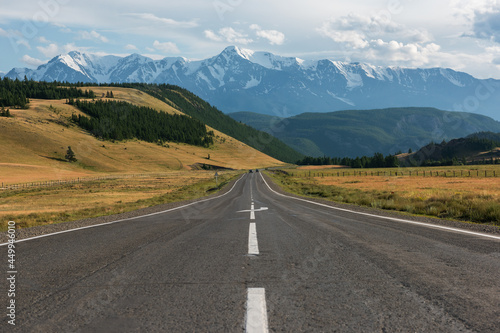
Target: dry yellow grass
[475, 198]
[46, 205]
[34, 142]
[419, 187]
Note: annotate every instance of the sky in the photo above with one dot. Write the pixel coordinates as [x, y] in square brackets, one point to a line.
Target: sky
[460, 34]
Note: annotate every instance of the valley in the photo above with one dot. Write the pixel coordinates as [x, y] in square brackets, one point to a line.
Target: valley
[132, 174]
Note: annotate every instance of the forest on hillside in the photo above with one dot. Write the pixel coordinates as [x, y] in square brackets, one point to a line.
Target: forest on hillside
[112, 120]
[192, 105]
[16, 93]
[378, 160]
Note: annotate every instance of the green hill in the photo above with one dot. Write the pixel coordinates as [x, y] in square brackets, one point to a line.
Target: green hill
[476, 148]
[354, 133]
[197, 108]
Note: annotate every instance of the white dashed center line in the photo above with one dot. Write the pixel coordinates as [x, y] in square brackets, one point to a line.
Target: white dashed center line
[253, 246]
[256, 319]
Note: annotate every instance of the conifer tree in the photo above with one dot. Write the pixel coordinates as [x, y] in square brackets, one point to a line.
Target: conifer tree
[70, 155]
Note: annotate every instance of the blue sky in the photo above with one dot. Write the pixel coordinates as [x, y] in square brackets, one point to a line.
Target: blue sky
[459, 34]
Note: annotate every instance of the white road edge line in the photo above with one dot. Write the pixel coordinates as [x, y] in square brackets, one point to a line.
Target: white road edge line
[256, 316]
[127, 219]
[253, 245]
[387, 217]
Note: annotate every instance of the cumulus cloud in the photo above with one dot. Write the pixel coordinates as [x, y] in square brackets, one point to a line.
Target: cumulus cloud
[92, 35]
[355, 39]
[412, 54]
[166, 47]
[32, 61]
[49, 51]
[373, 23]
[377, 38]
[43, 40]
[228, 35]
[487, 25]
[166, 21]
[483, 17]
[273, 36]
[130, 47]
[357, 30]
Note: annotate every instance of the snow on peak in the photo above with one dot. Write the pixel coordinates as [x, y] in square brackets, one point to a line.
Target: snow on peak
[73, 60]
[243, 53]
[450, 77]
[354, 79]
[137, 58]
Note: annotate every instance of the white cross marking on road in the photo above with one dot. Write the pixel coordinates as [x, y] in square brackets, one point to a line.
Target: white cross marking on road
[252, 211]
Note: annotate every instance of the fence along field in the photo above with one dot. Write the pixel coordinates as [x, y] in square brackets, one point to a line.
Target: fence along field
[96, 196]
[467, 193]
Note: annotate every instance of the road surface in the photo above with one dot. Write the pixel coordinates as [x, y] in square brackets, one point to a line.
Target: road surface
[253, 260]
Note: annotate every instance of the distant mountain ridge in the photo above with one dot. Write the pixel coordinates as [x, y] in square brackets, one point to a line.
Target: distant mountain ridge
[244, 80]
[364, 132]
[482, 147]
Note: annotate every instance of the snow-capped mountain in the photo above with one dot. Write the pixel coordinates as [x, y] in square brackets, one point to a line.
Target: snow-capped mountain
[244, 80]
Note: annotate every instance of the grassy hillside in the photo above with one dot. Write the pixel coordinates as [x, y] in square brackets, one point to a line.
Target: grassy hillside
[194, 106]
[35, 140]
[483, 147]
[363, 132]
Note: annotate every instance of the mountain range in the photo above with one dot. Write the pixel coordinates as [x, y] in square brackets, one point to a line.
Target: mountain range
[355, 133]
[243, 80]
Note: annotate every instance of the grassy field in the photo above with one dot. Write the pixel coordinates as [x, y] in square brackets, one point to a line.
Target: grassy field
[34, 142]
[461, 197]
[70, 202]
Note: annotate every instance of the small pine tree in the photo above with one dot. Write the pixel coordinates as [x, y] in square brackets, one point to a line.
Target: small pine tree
[70, 155]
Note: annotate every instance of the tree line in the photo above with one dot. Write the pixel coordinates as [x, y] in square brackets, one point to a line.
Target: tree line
[112, 120]
[16, 93]
[378, 160]
[194, 106]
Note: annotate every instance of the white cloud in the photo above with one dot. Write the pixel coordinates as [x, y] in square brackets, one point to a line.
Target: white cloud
[273, 36]
[166, 21]
[3, 33]
[154, 56]
[357, 31]
[228, 35]
[468, 9]
[32, 61]
[410, 54]
[166, 47]
[482, 17]
[355, 39]
[130, 47]
[212, 35]
[49, 51]
[43, 40]
[24, 42]
[92, 35]
[487, 25]
[72, 47]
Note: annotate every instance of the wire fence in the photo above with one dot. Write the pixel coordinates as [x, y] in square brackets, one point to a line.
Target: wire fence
[390, 173]
[50, 183]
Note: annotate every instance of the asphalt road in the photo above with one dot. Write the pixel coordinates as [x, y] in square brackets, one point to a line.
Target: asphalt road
[301, 267]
